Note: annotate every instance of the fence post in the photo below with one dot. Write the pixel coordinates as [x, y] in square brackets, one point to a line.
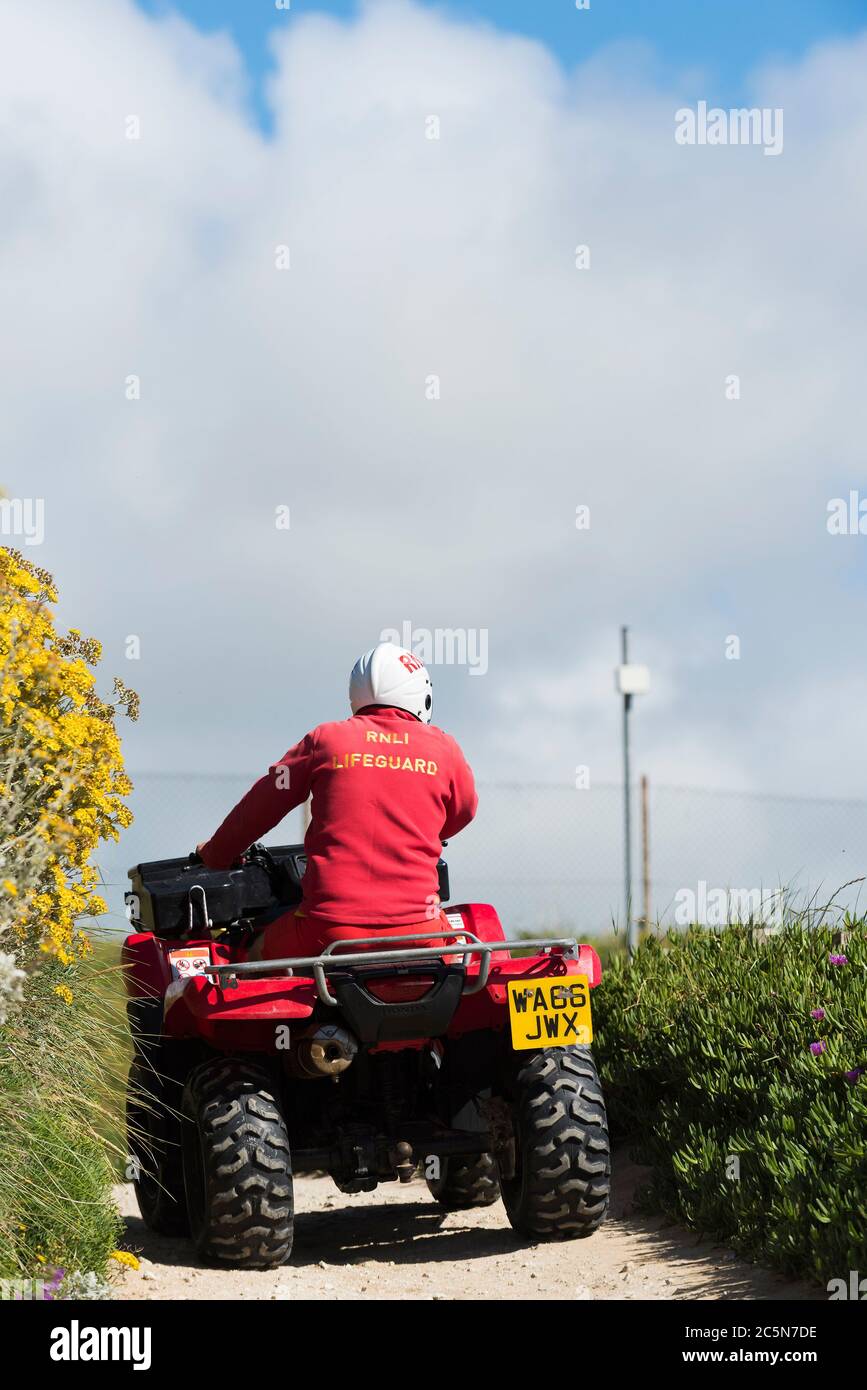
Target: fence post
[645, 848]
[631, 932]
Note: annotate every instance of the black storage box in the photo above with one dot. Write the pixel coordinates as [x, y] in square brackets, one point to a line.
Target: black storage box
[171, 897]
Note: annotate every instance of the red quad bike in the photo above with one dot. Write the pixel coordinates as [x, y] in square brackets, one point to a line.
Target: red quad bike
[460, 1058]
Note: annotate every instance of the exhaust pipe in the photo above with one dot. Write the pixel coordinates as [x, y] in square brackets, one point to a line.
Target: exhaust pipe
[327, 1052]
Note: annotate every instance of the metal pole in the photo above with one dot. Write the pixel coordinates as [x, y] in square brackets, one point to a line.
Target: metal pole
[631, 932]
[645, 850]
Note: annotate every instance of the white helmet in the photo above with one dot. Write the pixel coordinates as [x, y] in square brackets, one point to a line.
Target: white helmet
[390, 675]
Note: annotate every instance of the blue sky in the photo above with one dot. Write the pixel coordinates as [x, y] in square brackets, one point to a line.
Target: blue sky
[417, 261]
[725, 40]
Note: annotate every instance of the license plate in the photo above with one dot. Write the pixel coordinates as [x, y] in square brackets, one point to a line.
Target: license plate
[551, 1012]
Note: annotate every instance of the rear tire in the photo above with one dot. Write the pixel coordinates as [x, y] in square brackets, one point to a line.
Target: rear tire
[237, 1165]
[154, 1145]
[466, 1182]
[561, 1183]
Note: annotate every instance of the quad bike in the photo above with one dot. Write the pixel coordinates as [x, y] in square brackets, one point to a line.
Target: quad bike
[370, 1061]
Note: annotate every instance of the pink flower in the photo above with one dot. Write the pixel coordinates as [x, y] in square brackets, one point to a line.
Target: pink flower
[817, 1048]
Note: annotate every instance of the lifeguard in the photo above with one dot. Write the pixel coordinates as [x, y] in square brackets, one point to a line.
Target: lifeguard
[378, 819]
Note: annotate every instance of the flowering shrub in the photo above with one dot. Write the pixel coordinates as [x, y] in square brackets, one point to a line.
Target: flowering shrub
[84, 1288]
[735, 1064]
[62, 782]
[62, 790]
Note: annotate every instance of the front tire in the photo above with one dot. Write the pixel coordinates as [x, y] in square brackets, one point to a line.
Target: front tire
[465, 1183]
[237, 1165]
[562, 1170]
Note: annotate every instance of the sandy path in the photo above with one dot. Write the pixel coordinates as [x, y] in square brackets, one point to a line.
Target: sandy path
[395, 1243]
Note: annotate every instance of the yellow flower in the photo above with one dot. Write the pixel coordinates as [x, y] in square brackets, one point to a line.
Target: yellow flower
[65, 993]
[62, 783]
[124, 1257]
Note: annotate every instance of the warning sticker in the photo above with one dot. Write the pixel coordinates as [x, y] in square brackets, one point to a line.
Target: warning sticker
[191, 960]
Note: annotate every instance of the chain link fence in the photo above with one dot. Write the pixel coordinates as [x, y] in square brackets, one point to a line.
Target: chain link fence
[550, 857]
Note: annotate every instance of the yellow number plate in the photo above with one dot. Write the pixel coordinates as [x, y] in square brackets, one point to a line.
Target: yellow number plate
[550, 1013]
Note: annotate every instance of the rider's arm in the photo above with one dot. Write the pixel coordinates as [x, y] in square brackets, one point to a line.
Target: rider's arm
[463, 800]
[285, 786]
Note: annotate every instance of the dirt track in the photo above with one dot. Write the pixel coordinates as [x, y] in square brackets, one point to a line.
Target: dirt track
[395, 1243]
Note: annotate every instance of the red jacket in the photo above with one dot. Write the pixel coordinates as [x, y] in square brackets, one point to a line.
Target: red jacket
[387, 790]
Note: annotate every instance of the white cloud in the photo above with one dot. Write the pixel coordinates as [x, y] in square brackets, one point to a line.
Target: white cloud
[559, 387]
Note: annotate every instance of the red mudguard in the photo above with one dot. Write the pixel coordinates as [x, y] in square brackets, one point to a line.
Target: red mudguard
[245, 1017]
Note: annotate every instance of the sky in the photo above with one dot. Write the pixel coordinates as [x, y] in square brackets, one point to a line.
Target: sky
[714, 44]
[284, 383]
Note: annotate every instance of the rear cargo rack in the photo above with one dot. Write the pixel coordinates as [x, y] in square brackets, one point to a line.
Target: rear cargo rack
[465, 944]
